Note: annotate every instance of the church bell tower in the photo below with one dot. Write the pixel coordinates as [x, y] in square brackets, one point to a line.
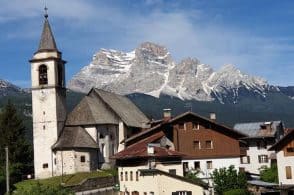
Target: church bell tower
[48, 101]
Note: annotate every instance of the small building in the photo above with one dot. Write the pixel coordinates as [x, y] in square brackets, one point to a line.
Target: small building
[260, 136]
[149, 167]
[285, 162]
[207, 144]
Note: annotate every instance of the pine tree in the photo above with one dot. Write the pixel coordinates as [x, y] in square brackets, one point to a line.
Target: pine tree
[12, 134]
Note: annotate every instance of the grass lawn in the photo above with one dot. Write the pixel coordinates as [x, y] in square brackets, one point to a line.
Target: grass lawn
[66, 179]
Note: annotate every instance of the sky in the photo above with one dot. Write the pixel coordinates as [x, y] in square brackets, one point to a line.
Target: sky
[257, 36]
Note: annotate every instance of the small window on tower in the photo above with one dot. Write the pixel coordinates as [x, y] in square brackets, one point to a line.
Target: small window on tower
[45, 166]
[44, 127]
[43, 79]
[83, 159]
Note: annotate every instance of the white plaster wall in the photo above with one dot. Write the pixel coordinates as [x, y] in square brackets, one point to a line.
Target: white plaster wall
[92, 132]
[282, 162]
[69, 161]
[254, 152]
[121, 136]
[49, 113]
[217, 163]
[65, 162]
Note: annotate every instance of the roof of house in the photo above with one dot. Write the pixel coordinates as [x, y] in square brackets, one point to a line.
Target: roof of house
[253, 129]
[47, 41]
[157, 171]
[102, 107]
[139, 149]
[74, 137]
[282, 142]
[158, 126]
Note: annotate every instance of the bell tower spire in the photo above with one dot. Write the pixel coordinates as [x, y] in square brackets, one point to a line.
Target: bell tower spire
[47, 41]
[48, 100]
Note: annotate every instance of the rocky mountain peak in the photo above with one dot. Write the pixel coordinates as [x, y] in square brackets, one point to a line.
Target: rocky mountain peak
[150, 69]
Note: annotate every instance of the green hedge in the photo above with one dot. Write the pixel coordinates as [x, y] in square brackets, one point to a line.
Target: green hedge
[237, 192]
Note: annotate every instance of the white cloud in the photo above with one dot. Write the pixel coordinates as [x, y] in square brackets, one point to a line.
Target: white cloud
[94, 24]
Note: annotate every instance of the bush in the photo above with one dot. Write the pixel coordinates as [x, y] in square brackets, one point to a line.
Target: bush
[39, 188]
[237, 192]
[269, 174]
[226, 179]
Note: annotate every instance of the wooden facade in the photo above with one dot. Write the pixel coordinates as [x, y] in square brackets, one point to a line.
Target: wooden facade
[289, 149]
[200, 138]
[197, 137]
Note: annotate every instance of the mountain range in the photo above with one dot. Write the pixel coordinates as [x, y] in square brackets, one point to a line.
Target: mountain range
[151, 70]
[154, 81]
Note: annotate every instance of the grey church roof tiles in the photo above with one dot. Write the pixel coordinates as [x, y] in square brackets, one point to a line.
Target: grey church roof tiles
[253, 129]
[47, 41]
[90, 112]
[75, 137]
[101, 107]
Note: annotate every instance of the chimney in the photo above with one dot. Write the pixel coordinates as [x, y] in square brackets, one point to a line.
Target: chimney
[150, 149]
[212, 116]
[166, 114]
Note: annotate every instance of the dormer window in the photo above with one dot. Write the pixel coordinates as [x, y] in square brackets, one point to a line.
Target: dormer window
[43, 79]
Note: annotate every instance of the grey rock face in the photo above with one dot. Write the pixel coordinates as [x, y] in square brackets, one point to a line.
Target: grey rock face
[7, 88]
[150, 69]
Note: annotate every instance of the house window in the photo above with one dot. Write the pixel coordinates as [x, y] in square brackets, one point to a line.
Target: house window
[44, 127]
[290, 149]
[195, 126]
[262, 158]
[182, 125]
[209, 164]
[83, 159]
[45, 165]
[121, 176]
[131, 176]
[288, 172]
[196, 145]
[43, 79]
[208, 144]
[55, 161]
[137, 176]
[245, 159]
[172, 171]
[196, 165]
[126, 176]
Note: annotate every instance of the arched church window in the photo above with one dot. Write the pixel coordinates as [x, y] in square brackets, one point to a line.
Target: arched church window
[43, 79]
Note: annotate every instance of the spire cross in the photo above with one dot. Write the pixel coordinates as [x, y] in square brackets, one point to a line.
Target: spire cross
[46, 12]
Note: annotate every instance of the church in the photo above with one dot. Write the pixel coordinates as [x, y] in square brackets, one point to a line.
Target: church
[84, 139]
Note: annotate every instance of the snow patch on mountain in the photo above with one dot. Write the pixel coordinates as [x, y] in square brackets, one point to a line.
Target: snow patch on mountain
[150, 69]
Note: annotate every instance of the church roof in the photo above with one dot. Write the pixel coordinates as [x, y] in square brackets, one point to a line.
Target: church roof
[91, 111]
[101, 107]
[47, 41]
[75, 137]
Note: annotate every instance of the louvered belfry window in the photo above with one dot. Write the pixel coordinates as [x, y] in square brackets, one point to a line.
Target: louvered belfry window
[43, 78]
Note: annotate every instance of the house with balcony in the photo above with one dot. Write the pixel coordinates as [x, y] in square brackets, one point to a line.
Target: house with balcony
[207, 144]
[260, 136]
[149, 167]
[285, 163]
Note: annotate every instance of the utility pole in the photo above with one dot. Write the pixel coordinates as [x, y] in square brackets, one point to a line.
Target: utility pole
[7, 170]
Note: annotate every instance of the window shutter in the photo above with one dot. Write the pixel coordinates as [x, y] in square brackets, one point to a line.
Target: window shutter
[248, 159]
[189, 193]
[288, 172]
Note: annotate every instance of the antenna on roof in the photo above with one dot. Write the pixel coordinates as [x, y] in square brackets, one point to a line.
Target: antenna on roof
[46, 10]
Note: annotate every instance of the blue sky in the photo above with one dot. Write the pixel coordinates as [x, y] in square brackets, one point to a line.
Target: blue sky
[255, 35]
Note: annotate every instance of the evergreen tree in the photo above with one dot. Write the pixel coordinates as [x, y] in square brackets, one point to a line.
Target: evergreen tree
[12, 134]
